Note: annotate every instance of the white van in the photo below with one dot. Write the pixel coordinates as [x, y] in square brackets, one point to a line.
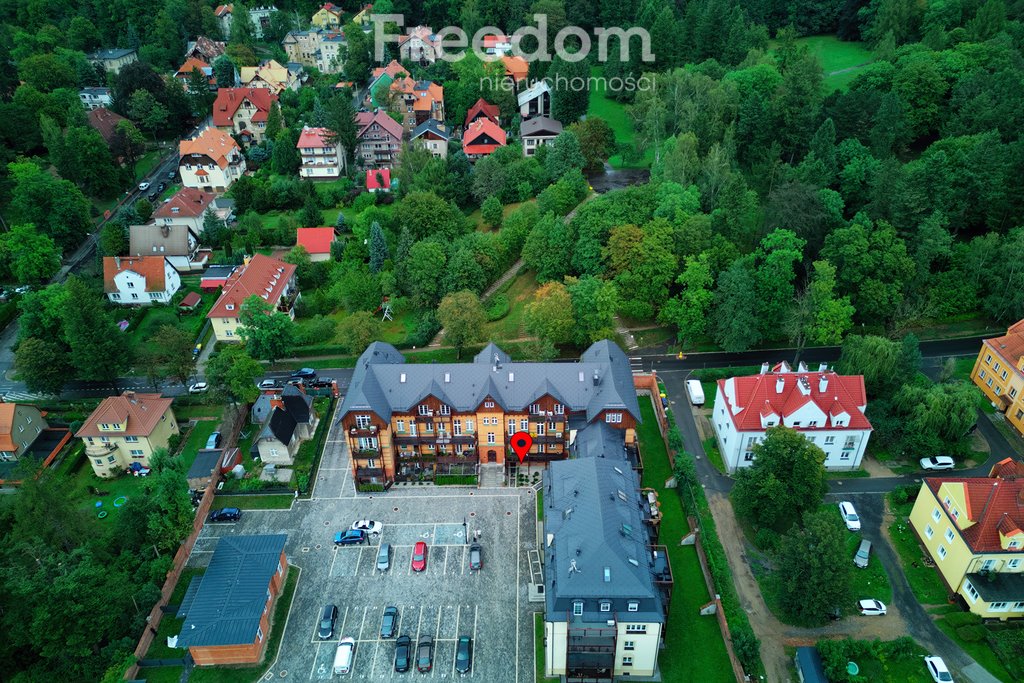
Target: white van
[695, 391]
[343, 656]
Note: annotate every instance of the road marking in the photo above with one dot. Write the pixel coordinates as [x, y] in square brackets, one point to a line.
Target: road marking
[344, 621]
[373, 660]
[312, 669]
[363, 622]
[445, 570]
[464, 562]
[473, 661]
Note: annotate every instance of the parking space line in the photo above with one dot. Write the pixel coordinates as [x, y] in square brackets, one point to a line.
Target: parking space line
[344, 621]
[419, 623]
[458, 618]
[437, 630]
[463, 563]
[312, 669]
[445, 570]
[473, 661]
[373, 660]
[363, 622]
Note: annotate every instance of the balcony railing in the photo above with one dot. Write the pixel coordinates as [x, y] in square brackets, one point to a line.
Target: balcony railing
[366, 453]
[367, 472]
[363, 431]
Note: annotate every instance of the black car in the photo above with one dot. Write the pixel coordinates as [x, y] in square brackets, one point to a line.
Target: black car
[403, 652]
[389, 622]
[327, 619]
[226, 515]
[476, 559]
[425, 654]
[350, 537]
[464, 655]
[161, 187]
[304, 373]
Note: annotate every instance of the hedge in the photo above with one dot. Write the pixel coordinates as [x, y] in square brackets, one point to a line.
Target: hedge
[369, 488]
[498, 308]
[455, 479]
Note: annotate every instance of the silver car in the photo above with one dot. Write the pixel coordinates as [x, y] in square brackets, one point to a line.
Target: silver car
[863, 553]
[384, 557]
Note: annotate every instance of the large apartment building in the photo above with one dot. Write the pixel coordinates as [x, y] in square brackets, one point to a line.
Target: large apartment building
[378, 139]
[999, 373]
[318, 48]
[406, 421]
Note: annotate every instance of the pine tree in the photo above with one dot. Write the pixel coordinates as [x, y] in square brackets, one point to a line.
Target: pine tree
[378, 248]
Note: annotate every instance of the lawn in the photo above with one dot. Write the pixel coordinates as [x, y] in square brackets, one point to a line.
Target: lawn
[147, 162]
[838, 56]
[81, 477]
[878, 662]
[394, 331]
[197, 439]
[477, 219]
[924, 581]
[710, 661]
[615, 115]
[540, 505]
[169, 626]
[163, 674]
[184, 413]
[713, 454]
[520, 293]
[538, 645]
[981, 651]
[871, 582]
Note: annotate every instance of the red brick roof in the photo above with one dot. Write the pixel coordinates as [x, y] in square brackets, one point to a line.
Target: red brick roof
[230, 99]
[842, 394]
[191, 300]
[313, 138]
[105, 122]
[315, 240]
[264, 277]
[482, 108]
[189, 202]
[365, 119]
[149, 267]
[994, 504]
[140, 412]
[478, 129]
[1009, 347]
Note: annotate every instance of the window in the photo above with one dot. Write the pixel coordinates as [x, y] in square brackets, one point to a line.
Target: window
[987, 565]
[136, 452]
[936, 515]
[850, 443]
[445, 410]
[627, 661]
[829, 440]
[424, 410]
[633, 606]
[559, 409]
[942, 552]
[999, 606]
[949, 535]
[628, 644]
[273, 452]
[490, 438]
[606, 606]
[947, 501]
[972, 592]
[996, 367]
[577, 608]
[1013, 564]
[955, 514]
[844, 455]
[797, 423]
[636, 628]
[928, 531]
[1019, 415]
[259, 633]
[469, 425]
[488, 404]
[457, 427]
[1013, 392]
[511, 426]
[363, 421]
[613, 418]
[981, 374]
[989, 382]
[400, 425]
[131, 439]
[1018, 607]
[988, 359]
[812, 423]
[540, 429]
[748, 456]
[105, 439]
[110, 459]
[998, 390]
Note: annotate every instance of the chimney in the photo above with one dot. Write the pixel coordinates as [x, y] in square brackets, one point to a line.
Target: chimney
[804, 385]
[597, 378]
[117, 262]
[764, 368]
[780, 384]
[823, 383]
[823, 367]
[801, 367]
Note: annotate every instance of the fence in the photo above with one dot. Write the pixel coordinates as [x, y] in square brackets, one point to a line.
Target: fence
[723, 625]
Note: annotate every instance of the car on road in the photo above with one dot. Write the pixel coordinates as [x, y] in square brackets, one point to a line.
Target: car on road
[419, 556]
[304, 373]
[161, 187]
[143, 187]
[389, 622]
[369, 526]
[199, 388]
[226, 515]
[464, 655]
[268, 384]
[863, 554]
[327, 619]
[350, 537]
[425, 654]
[937, 669]
[938, 462]
[871, 608]
[403, 653]
[171, 175]
[343, 655]
[476, 557]
[849, 515]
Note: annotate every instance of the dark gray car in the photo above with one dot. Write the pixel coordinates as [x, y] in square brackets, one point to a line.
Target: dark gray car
[425, 654]
[389, 623]
[464, 655]
[403, 653]
[327, 619]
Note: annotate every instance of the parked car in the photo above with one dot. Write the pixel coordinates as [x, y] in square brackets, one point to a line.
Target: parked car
[268, 384]
[213, 441]
[871, 608]
[403, 653]
[226, 515]
[343, 656]
[199, 388]
[425, 654]
[350, 537]
[695, 392]
[197, 349]
[384, 557]
[419, 556]
[327, 619]
[937, 669]
[476, 559]
[849, 515]
[161, 186]
[369, 526]
[305, 373]
[464, 655]
[171, 175]
[143, 187]
[389, 622]
[863, 553]
[938, 462]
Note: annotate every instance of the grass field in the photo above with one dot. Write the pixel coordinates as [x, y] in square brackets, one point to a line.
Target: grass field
[981, 652]
[615, 114]
[520, 294]
[840, 60]
[871, 582]
[713, 454]
[197, 439]
[924, 581]
[477, 219]
[394, 331]
[147, 162]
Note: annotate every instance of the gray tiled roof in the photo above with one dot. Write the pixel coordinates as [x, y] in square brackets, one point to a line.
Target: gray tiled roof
[226, 607]
[297, 404]
[540, 125]
[281, 426]
[384, 383]
[430, 126]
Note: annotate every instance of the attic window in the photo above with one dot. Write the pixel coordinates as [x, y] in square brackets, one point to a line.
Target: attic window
[401, 378]
[581, 375]
[511, 377]
[626, 530]
[607, 579]
[230, 307]
[622, 495]
[632, 561]
[175, 209]
[447, 377]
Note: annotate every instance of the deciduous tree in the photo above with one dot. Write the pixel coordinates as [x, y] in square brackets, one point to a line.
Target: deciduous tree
[232, 373]
[462, 316]
[42, 365]
[549, 315]
[358, 330]
[268, 334]
[31, 257]
[689, 309]
[813, 568]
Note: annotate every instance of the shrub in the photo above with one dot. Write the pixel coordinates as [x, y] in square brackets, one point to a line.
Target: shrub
[905, 494]
[254, 484]
[958, 619]
[455, 480]
[498, 308]
[369, 488]
[426, 328]
[972, 634]
[675, 440]
[747, 647]
[767, 539]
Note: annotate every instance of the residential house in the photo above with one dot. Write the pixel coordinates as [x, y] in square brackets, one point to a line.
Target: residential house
[292, 421]
[322, 157]
[420, 44]
[433, 136]
[417, 101]
[328, 16]
[260, 17]
[187, 206]
[206, 50]
[827, 408]
[317, 242]
[93, 98]
[211, 161]
[223, 208]
[362, 17]
[971, 527]
[184, 73]
[537, 132]
[271, 75]
[379, 139]
[496, 44]
[243, 112]
[263, 276]
[517, 69]
[139, 280]
[378, 180]
[482, 109]
[216, 277]
[379, 89]
[999, 373]
[227, 610]
[224, 15]
[105, 123]
[126, 429]
[535, 100]
[318, 48]
[178, 243]
[21, 425]
[406, 420]
[606, 585]
[113, 59]
[481, 138]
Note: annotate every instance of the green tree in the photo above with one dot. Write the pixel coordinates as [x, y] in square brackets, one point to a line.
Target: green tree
[41, 314]
[594, 302]
[147, 112]
[464, 272]
[549, 315]
[563, 155]
[340, 122]
[224, 71]
[173, 516]
[128, 144]
[424, 272]
[242, 30]
[492, 212]
[786, 479]
[357, 59]
[232, 373]
[358, 330]
[311, 216]
[737, 327]
[689, 309]
[548, 248]
[777, 258]
[597, 142]
[56, 207]
[571, 101]
[878, 359]
[819, 316]
[99, 350]
[427, 215]
[286, 159]
[378, 248]
[934, 417]
[42, 365]
[462, 316]
[171, 348]
[31, 257]
[813, 567]
[268, 334]
[274, 122]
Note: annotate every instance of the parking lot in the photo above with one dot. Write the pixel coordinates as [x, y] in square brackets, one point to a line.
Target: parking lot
[445, 601]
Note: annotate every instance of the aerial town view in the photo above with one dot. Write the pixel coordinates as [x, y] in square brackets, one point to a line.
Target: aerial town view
[514, 341]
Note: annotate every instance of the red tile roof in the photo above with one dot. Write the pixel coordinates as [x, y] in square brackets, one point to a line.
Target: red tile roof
[140, 413]
[372, 182]
[191, 300]
[222, 10]
[105, 122]
[190, 65]
[482, 108]
[516, 67]
[365, 119]
[189, 202]
[315, 240]
[262, 274]
[149, 267]
[313, 138]
[993, 504]
[392, 70]
[478, 129]
[842, 394]
[230, 99]
[211, 142]
[1009, 347]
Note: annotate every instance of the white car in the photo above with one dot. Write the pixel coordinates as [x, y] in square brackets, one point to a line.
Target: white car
[369, 526]
[198, 388]
[143, 187]
[871, 608]
[937, 669]
[938, 462]
[849, 515]
[268, 384]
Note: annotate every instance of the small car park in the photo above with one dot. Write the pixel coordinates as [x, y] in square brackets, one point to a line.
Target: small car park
[199, 388]
[384, 557]
[403, 653]
[476, 559]
[343, 656]
[849, 515]
[419, 556]
[226, 515]
[860, 560]
[304, 373]
[937, 669]
[389, 622]
[350, 537]
[464, 655]
[327, 619]
[425, 654]
[937, 463]
[871, 608]
[369, 526]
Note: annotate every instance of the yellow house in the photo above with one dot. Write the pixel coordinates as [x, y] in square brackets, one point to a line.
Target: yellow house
[999, 373]
[328, 16]
[126, 429]
[362, 17]
[272, 280]
[971, 528]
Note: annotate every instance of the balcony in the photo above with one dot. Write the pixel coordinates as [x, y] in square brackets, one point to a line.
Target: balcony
[287, 303]
[452, 459]
[363, 453]
[550, 439]
[364, 473]
[370, 430]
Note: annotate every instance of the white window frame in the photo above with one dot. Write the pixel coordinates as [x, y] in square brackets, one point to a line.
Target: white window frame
[928, 531]
[577, 608]
[633, 606]
[942, 552]
[949, 535]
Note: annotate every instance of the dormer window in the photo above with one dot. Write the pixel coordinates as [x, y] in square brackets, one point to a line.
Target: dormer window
[577, 608]
[424, 410]
[606, 606]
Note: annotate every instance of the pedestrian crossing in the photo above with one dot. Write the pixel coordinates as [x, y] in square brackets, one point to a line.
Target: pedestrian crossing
[14, 396]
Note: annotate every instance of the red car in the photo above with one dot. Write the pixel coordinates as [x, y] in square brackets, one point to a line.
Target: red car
[419, 557]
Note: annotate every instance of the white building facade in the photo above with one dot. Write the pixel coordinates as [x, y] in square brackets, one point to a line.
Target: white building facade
[140, 280]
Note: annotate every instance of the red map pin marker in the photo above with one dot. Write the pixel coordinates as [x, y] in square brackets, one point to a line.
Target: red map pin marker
[521, 444]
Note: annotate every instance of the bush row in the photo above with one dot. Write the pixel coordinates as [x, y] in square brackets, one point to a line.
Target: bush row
[455, 479]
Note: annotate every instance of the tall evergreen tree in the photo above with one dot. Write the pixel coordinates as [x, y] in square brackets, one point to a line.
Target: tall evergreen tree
[378, 248]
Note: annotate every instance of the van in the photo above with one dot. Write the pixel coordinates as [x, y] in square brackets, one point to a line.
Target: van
[343, 656]
[863, 553]
[695, 391]
[384, 557]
